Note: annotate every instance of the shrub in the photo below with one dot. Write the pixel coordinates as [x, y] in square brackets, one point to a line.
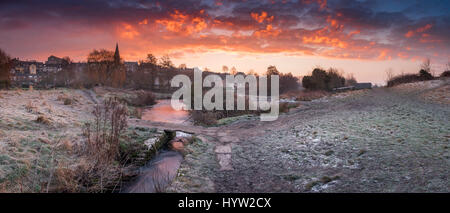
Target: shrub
[446, 74]
[43, 120]
[425, 75]
[409, 78]
[66, 100]
[323, 80]
[288, 82]
[30, 107]
[102, 144]
[305, 95]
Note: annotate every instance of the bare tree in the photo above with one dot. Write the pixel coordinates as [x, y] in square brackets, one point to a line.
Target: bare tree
[389, 74]
[252, 72]
[166, 62]
[182, 66]
[426, 65]
[233, 71]
[224, 69]
[151, 59]
[103, 69]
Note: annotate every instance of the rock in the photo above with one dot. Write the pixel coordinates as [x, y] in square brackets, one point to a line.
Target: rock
[182, 134]
[149, 143]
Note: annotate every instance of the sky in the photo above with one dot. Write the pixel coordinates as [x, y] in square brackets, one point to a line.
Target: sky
[363, 38]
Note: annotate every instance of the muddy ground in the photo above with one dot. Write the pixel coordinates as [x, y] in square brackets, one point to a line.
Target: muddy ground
[379, 140]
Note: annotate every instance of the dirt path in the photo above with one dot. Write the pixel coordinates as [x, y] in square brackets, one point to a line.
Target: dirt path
[383, 140]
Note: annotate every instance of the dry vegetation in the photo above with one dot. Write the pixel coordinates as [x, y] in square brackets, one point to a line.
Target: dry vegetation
[305, 95]
[43, 147]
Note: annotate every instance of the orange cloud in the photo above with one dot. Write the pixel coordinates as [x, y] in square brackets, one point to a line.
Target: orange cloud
[269, 31]
[355, 32]
[335, 42]
[411, 33]
[322, 3]
[262, 17]
[383, 54]
[425, 28]
[143, 22]
[127, 31]
[183, 23]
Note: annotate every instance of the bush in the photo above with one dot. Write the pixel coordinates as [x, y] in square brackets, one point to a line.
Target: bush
[446, 74]
[66, 99]
[102, 144]
[323, 80]
[305, 95]
[43, 120]
[425, 75]
[288, 83]
[402, 79]
[409, 78]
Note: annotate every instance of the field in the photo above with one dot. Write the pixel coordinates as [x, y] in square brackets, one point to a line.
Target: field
[380, 140]
[42, 146]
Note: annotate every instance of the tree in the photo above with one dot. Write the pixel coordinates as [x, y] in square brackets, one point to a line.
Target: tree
[323, 80]
[182, 66]
[350, 80]
[252, 72]
[102, 69]
[5, 68]
[426, 65]
[165, 62]
[151, 59]
[334, 79]
[307, 82]
[272, 70]
[389, 74]
[288, 82]
[425, 71]
[224, 69]
[233, 70]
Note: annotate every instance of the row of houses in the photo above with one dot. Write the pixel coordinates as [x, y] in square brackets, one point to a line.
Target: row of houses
[30, 73]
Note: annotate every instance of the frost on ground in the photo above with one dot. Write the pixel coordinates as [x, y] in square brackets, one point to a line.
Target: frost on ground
[32, 125]
[379, 140]
[41, 139]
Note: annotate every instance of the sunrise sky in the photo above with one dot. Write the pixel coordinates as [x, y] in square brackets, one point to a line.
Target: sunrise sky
[361, 37]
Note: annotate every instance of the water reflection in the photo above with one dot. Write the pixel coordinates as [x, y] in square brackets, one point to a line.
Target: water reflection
[163, 112]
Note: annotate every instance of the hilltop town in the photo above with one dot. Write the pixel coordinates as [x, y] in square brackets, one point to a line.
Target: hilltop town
[58, 72]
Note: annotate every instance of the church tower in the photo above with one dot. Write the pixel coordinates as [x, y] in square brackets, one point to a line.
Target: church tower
[117, 55]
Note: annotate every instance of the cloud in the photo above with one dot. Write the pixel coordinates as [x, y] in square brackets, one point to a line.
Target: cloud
[339, 29]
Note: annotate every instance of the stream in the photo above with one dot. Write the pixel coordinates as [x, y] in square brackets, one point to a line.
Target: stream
[158, 173]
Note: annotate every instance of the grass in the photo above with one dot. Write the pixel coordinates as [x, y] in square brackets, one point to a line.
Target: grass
[305, 95]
